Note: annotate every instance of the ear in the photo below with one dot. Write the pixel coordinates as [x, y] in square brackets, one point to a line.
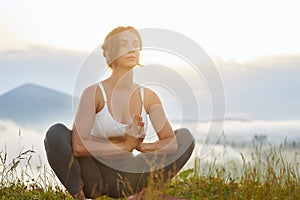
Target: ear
[107, 55]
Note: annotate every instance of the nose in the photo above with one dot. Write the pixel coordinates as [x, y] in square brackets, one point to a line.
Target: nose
[133, 50]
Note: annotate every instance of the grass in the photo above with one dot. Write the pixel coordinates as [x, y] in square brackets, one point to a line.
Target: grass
[266, 174]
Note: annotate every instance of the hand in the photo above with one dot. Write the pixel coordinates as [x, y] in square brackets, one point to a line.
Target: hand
[139, 146]
[136, 128]
[134, 133]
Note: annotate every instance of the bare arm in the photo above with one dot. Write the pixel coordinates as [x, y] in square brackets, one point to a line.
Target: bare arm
[84, 119]
[167, 142]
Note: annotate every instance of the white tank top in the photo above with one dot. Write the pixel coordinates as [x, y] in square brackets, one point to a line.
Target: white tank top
[106, 126]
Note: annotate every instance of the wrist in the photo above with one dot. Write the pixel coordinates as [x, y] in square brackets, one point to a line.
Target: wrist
[149, 147]
[130, 143]
[128, 148]
[139, 147]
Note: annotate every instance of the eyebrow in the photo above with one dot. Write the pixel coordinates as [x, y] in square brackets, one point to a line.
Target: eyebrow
[124, 40]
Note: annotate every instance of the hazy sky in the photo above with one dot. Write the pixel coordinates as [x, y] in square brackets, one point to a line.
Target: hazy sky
[232, 29]
[254, 44]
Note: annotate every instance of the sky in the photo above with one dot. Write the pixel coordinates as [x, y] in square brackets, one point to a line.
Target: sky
[255, 45]
[232, 29]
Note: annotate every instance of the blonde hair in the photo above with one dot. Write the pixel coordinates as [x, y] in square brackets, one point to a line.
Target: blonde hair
[106, 47]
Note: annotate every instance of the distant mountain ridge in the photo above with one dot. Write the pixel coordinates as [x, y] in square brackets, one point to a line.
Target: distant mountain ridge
[36, 106]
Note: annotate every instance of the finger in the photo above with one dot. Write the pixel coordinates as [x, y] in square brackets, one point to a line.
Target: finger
[142, 135]
[141, 124]
[141, 131]
[136, 119]
[137, 116]
[140, 118]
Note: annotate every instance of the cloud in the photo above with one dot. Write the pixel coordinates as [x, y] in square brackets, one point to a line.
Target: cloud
[238, 137]
[266, 88]
[243, 132]
[47, 66]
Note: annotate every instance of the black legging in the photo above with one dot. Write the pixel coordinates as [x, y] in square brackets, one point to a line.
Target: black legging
[97, 178]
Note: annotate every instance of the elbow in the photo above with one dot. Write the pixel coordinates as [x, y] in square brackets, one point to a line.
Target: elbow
[78, 150]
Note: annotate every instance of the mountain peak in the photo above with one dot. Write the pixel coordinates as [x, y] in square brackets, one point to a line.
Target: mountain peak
[31, 104]
[31, 87]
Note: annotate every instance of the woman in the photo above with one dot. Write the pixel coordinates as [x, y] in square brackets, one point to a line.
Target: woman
[95, 157]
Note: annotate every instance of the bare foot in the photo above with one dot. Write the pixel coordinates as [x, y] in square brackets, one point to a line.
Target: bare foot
[136, 196]
[79, 196]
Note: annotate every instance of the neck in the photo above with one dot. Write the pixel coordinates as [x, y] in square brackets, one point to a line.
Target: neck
[121, 78]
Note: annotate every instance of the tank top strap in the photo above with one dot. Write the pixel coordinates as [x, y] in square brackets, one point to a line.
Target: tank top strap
[142, 94]
[103, 91]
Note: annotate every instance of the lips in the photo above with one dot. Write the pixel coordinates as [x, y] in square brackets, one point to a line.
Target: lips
[131, 57]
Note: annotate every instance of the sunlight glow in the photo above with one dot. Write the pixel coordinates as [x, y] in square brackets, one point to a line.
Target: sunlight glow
[232, 29]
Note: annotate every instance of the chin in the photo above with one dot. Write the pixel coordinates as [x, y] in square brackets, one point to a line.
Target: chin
[131, 65]
[127, 65]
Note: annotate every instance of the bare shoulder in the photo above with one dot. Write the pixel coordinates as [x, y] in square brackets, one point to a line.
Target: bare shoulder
[151, 98]
[93, 93]
[91, 90]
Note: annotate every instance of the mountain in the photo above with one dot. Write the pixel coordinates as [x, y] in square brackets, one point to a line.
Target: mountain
[35, 106]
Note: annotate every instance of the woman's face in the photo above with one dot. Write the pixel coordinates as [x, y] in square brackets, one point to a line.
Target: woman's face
[126, 49]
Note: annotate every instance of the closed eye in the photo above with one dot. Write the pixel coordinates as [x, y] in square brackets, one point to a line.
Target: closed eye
[135, 44]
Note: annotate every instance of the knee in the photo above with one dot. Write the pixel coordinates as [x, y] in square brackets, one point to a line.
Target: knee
[184, 132]
[184, 137]
[56, 134]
